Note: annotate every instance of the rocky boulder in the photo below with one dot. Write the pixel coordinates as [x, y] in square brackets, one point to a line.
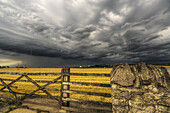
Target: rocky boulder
[126, 75]
[123, 75]
[140, 88]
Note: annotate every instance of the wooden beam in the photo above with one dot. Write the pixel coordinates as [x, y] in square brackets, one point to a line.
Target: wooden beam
[39, 81]
[10, 86]
[90, 74]
[87, 93]
[52, 89]
[86, 110]
[88, 101]
[86, 84]
[34, 74]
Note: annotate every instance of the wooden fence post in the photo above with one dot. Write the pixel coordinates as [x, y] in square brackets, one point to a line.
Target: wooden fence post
[65, 77]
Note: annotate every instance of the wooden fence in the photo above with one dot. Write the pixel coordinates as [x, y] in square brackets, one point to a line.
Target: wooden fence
[67, 103]
[29, 79]
[66, 100]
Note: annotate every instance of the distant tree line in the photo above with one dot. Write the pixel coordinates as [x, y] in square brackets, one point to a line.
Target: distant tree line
[163, 64]
[21, 67]
[4, 66]
[100, 66]
[95, 66]
[111, 66]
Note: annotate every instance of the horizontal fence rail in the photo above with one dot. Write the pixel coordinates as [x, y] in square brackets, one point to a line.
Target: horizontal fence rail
[89, 74]
[44, 74]
[86, 84]
[39, 81]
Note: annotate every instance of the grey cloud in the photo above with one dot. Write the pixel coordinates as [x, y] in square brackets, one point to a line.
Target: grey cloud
[89, 28]
[38, 28]
[104, 30]
[152, 38]
[79, 33]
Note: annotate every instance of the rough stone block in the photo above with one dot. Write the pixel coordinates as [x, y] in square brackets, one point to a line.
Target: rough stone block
[118, 94]
[161, 108]
[119, 102]
[123, 76]
[120, 109]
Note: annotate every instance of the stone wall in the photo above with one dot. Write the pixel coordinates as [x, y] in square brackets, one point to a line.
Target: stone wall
[168, 69]
[140, 88]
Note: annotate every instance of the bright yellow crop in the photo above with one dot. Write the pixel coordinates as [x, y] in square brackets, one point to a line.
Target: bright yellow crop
[27, 87]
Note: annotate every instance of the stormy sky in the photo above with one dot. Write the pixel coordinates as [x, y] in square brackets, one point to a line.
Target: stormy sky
[83, 32]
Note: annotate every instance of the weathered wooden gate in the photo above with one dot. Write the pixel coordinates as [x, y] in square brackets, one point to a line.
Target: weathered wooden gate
[29, 79]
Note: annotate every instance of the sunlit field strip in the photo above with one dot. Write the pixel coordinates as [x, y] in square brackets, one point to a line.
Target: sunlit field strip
[32, 70]
[91, 70]
[56, 70]
[27, 87]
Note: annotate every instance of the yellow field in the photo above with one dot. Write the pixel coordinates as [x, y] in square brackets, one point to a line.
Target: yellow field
[28, 87]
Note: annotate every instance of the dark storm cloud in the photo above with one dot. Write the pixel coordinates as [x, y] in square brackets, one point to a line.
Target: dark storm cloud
[79, 33]
[103, 30]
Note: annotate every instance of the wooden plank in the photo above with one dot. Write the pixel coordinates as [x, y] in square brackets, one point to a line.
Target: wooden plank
[52, 89]
[10, 86]
[90, 74]
[44, 74]
[6, 86]
[45, 89]
[87, 93]
[86, 110]
[86, 84]
[88, 101]
[13, 81]
[39, 81]
[34, 74]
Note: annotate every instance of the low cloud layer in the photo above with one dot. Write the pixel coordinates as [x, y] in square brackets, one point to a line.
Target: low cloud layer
[104, 31]
[9, 62]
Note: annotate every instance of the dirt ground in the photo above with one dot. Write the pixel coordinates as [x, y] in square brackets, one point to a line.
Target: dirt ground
[35, 105]
[45, 104]
[22, 110]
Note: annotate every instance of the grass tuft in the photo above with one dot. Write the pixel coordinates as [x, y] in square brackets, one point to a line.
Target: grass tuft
[12, 101]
